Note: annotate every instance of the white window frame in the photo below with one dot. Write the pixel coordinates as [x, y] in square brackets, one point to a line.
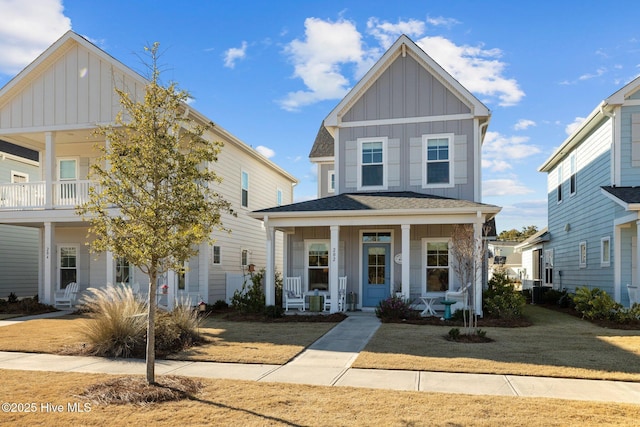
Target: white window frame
[582, 254]
[605, 253]
[573, 174]
[425, 162]
[425, 254]
[331, 181]
[559, 195]
[15, 174]
[242, 189]
[244, 257]
[213, 255]
[76, 160]
[307, 246]
[59, 263]
[547, 267]
[385, 149]
[279, 196]
[185, 274]
[119, 262]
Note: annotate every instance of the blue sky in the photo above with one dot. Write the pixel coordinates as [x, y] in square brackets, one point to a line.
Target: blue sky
[269, 72]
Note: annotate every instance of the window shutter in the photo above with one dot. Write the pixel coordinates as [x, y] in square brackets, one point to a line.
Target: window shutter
[635, 140]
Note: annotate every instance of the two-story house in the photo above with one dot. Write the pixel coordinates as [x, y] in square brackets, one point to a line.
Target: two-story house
[52, 107]
[398, 163]
[18, 245]
[593, 181]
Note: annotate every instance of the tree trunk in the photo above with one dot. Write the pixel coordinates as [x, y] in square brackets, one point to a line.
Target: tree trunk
[151, 329]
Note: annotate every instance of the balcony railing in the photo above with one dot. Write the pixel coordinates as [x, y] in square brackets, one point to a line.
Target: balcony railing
[33, 195]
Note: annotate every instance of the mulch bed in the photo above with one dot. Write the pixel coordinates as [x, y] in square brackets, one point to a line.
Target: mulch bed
[136, 390]
[237, 316]
[608, 324]
[483, 322]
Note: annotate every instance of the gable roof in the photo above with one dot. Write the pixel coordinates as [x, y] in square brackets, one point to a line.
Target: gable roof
[402, 46]
[627, 197]
[323, 145]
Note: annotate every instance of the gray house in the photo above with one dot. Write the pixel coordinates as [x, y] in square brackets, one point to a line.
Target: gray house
[398, 163]
[18, 245]
[594, 199]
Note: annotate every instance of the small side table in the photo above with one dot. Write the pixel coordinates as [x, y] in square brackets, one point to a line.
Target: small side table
[447, 308]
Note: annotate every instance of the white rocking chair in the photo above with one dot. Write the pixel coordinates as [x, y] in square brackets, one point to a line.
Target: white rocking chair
[292, 295]
[69, 297]
[342, 295]
[634, 297]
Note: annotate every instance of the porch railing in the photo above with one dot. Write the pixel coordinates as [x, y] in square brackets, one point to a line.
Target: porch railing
[33, 195]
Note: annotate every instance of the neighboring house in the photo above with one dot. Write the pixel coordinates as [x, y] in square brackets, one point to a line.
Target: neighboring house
[593, 183]
[18, 245]
[52, 107]
[504, 257]
[399, 164]
[537, 265]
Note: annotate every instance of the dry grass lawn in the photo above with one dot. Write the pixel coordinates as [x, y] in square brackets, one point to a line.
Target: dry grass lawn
[227, 341]
[558, 345]
[225, 402]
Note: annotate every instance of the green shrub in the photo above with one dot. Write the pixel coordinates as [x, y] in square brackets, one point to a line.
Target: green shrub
[454, 334]
[393, 308]
[273, 311]
[595, 304]
[13, 298]
[250, 299]
[218, 305]
[553, 296]
[501, 300]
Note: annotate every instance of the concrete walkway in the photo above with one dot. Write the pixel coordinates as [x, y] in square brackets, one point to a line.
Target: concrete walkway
[327, 362]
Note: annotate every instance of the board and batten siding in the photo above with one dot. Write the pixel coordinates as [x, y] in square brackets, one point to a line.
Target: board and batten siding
[630, 145]
[76, 88]
[571, 222]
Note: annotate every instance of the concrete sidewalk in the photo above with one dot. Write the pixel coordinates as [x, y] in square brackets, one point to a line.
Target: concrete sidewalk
[327, 362]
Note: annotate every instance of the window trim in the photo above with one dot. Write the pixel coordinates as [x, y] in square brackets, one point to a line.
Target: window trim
[307, 245]
[122, 261]
[385, 148]
[451, 159]
[582, 254]
[425, 254]
[331, 179]
[244, 173]
[213, 255]
[605, 261]
[573, 172]
[244, 253]
[279, 196]
[60, 246]
[76, 160]
[559, 186]
[15, 174]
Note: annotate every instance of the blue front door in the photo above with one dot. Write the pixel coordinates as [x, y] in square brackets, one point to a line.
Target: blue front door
[376, 273]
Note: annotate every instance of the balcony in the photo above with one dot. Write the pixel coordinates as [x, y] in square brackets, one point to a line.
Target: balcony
[40, 195]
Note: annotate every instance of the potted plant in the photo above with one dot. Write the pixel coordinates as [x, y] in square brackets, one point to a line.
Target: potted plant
[165, 289]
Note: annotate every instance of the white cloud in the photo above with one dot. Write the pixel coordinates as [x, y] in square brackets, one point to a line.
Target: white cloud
[27, 29]
[234, 54]
[441, 21]
[265, 151]
[477, 69]
[518, 215]
[524, 124]
[318, 60]
[387, 33]
[499, 152]
[504, 187]
[571, 127]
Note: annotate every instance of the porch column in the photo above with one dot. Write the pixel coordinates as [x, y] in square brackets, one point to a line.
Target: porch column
[406, 257]
[478, 243]
[270, 268]
[333, 267]
[617, 267]
[109, 266]
[49, 168]
[49, 263]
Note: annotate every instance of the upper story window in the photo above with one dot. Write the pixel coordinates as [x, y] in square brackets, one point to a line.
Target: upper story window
[216, 256]
[372, 165]
[573, 170]
[437, 162]
[559, 187]
[245, 189]
[331, 185]
[278, 197]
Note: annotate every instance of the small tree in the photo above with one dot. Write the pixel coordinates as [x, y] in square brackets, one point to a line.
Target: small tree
[152, 202]
[468, 253]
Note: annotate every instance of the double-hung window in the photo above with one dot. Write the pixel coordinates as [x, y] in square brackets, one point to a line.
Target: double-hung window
[372, 163]
[437, 152]
[572, 180]
[605, 251]
[68, 264]
[331, 184]
[559, 188]
[318, 265]
[124, 271]
[583, 255]
[437, 266]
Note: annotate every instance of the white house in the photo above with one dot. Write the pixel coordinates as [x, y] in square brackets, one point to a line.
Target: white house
[399, 164]
[52, 107]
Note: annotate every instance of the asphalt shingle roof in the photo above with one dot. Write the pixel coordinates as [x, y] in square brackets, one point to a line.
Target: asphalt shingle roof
[323, 145]
[628, 195]
[376, 201]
